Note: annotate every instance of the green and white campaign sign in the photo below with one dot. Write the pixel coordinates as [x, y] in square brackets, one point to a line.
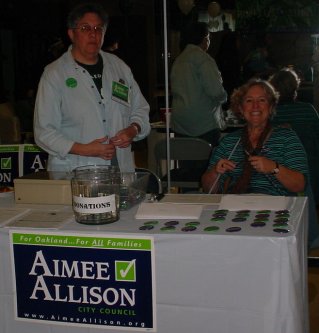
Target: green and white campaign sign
[84, 280]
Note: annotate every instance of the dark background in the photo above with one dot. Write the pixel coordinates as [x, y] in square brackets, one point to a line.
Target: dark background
[33, 33]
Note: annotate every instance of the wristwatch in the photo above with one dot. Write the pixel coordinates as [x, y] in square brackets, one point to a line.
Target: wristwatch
[276, 170]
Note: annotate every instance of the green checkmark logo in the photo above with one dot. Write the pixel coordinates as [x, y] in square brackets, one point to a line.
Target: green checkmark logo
[6, 163]
[125, 270]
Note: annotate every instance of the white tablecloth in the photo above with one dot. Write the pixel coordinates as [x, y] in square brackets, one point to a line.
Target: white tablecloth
[254, 281]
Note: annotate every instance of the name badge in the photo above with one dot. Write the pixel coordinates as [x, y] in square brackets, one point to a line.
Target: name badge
[120, 93]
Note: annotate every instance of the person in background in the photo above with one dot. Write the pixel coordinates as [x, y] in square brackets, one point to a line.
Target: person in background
[303, 118]
[257, 63]
[197, 92]
[300, 116]
[88, 107]
[259, 158]
[197, 87]
[111, 40]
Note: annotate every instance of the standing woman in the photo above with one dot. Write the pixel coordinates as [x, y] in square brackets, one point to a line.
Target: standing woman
[258, 158]
[89, 108]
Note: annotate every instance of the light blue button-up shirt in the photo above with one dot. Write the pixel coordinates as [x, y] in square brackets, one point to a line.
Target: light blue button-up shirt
[69, 109]
[197, 91]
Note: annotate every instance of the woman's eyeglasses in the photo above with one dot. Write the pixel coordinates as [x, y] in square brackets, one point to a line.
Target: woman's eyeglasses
[86, 29]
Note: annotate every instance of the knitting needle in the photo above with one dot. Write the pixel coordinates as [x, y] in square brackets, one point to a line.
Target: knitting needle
[229, 157]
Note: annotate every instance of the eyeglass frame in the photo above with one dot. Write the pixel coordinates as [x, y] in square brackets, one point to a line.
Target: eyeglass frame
[97, 29]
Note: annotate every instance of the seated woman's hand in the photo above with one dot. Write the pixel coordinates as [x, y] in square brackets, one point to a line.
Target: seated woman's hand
[224, 165]
[262, 164]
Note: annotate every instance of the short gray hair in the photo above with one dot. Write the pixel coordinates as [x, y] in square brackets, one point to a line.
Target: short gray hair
[80, 10]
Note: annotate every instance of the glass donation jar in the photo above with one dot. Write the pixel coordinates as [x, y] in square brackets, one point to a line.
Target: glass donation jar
[95, 194]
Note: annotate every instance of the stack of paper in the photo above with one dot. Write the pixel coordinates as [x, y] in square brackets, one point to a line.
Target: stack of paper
[253, 202]
[168, 211]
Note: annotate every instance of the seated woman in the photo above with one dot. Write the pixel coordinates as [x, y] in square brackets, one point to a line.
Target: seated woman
[258, 158]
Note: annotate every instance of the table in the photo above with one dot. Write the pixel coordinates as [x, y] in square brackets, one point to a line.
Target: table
[248, 282]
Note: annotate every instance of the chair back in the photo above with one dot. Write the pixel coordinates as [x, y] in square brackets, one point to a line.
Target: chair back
[154, 182]
[181, 149]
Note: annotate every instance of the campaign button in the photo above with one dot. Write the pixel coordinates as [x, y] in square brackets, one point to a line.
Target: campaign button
[168, 228]
[211, 228]
[222, 211]
[171, 223]
[233, 229]
[283, 211]
[217, 219]
[264, 215]
[281, 219]
[258, 224]
[151, 222]
[281, 224]
[239, 219]
[189, 228]
[281, 231]
[194, 223]
[146, 227]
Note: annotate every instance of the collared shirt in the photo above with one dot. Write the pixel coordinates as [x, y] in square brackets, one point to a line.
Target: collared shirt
[197, 91]
[304, 120]
[70, 109]
[283, 146]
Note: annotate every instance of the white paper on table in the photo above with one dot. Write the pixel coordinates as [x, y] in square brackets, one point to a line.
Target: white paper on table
[9, 214]
[234, 202]
[192, 199]
[42, 219]
[168, 211]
